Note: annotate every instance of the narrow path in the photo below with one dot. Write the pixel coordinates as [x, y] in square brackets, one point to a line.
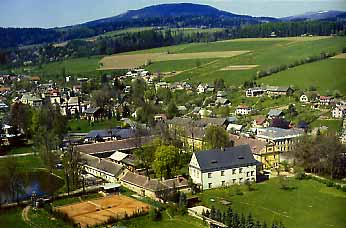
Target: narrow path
[16, 155]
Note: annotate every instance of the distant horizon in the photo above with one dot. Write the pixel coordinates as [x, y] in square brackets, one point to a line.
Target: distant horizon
[51, 14]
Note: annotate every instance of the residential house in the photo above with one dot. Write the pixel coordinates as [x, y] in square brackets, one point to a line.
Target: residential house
[235, 128]
[126, 160]
[259, 122]
[275, 113]
[152, 188]
[94, 114]
[101, 167]
[325, 100]
[110, 134]
[221, 101]
[278, 142]
[243, 110]
[222, 167]
[104, 148]
[304, 98]
[339, 111]
[278, 90]
[73, 106]
[255, 92]
[31, 100]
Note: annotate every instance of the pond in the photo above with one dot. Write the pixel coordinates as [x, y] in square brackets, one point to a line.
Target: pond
[40, 182]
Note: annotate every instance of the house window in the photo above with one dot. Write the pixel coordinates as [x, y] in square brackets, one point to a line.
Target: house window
[240, 180]
[240, 170]
[252, 173]
[222, 183]
[233, 181]
[209, 185]
[209, 175]
[234, 171]
[247, 174]
[222, 173]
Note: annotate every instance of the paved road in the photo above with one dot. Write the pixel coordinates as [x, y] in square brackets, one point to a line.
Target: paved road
[16, 155]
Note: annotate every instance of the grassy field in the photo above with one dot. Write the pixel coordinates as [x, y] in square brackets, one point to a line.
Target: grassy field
[25, 164]
[83, 66]
[166, 222]
[308, 204]
[83, 126]
[12, 218]
[333, 125]
[265, 53]
[326, 76]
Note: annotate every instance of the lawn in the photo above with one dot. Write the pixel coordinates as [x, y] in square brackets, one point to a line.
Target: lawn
[333, 125]
[85, 66]
[84, 126]
[75, 199]
[21, 150]
[327, 76]
[25, 164]
[41, 218]
[12, 218]
[166, 222]
[308, 204]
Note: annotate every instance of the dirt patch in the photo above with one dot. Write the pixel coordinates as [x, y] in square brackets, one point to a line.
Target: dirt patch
[240, 67]
[94, 212]
[340, 56]
[136, 60]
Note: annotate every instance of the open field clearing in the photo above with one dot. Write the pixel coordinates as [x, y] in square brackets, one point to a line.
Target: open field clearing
[91, 213]
[297, 38]
[240, 67]
[326, 76]
[341, 56]
[137, 60]
[307, 204]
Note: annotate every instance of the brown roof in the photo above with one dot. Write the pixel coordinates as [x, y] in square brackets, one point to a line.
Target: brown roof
[255, 144]
[102, 164]
[260, 120]
[35, 78]
[3, 89]
[154, 184]
[126, 144]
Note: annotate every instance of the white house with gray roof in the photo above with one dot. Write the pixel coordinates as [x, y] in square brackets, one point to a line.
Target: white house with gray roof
[222, 167]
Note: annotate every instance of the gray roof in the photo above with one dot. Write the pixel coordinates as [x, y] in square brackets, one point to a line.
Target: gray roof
[198, 123]
[118, 133]
[232, 157]
[91, 110]
[278, 88]
[275, 133]
[274, 112]
[102, 164]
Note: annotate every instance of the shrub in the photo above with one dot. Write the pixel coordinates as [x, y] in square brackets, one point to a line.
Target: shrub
[155, 214]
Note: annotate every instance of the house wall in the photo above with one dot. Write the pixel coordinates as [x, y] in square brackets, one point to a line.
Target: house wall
[140, 191]
[101, 174]
[230, 176]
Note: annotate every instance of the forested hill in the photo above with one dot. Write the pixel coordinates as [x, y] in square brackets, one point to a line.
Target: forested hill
[166, 15]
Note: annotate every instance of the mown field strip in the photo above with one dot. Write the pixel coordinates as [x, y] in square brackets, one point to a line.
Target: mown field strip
[240, 67]
[137, 60]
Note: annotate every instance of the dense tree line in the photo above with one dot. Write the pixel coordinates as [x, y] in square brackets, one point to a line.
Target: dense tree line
[232, 219]
[154, 38]
[323, 155]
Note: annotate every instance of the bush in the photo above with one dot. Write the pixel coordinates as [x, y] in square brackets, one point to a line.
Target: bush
[155, 214]
[301, 176]
[330, 184]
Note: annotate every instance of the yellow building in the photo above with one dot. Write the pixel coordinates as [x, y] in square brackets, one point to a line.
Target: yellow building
[279, 142]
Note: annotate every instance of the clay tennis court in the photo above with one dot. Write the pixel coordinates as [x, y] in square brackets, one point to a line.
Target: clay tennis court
[98, 211]
[136, 60]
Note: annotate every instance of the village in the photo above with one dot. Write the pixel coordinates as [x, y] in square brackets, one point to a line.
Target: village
[214, 136]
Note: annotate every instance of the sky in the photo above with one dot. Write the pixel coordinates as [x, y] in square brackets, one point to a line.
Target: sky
[57, 13]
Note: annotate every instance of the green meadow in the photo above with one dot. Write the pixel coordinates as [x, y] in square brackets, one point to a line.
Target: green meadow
[326, 76]
[306, 204]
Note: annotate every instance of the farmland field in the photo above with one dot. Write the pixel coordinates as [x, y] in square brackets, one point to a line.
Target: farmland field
[137, 60]
[307, 204]
[327, 76]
